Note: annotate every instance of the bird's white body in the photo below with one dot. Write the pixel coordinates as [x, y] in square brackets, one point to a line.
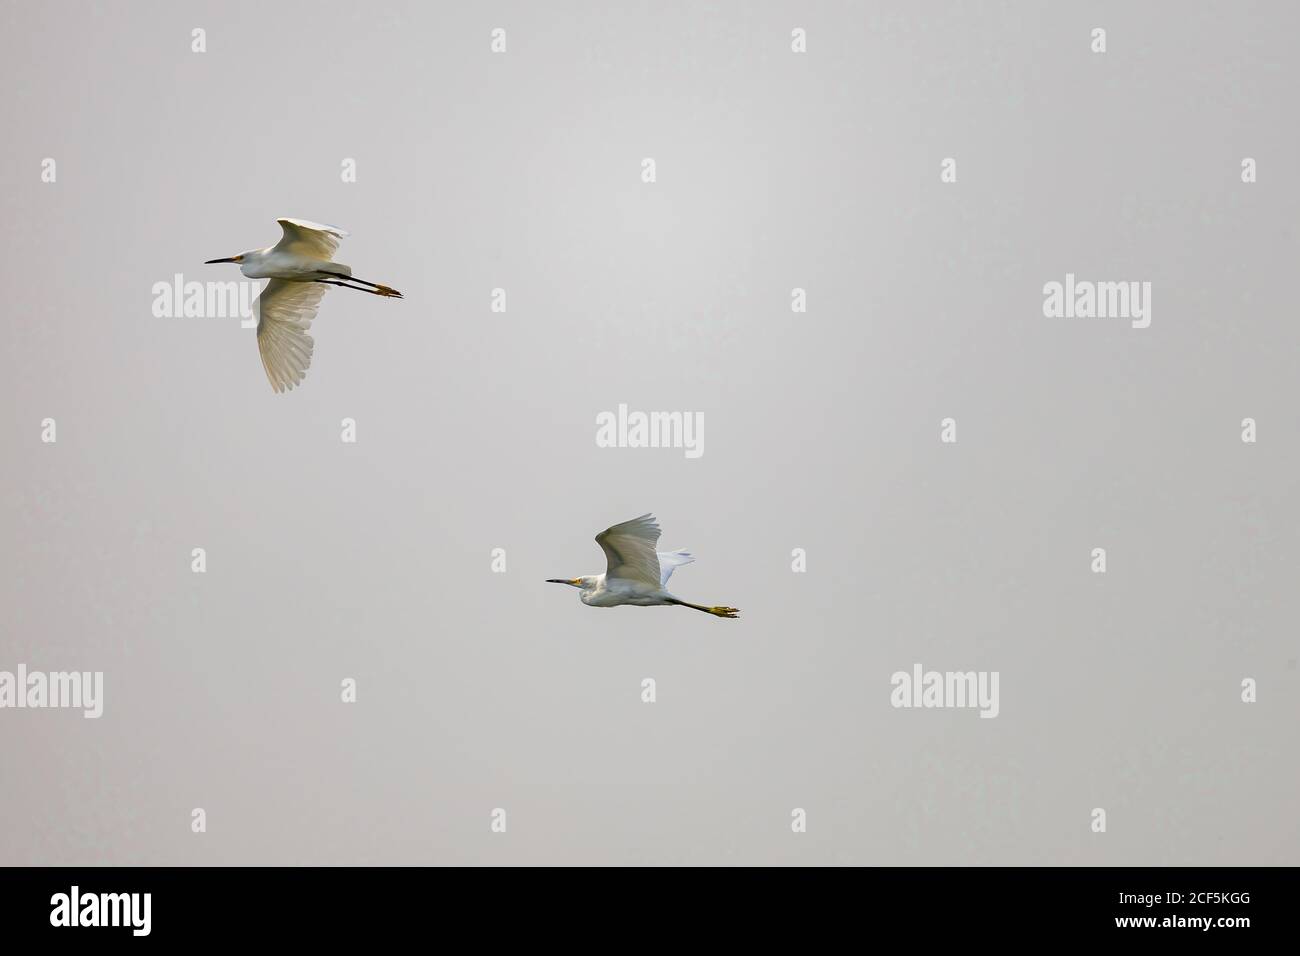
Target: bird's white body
[637, 573]
[611, 592]
[616, 592]
[301, 268]
[276, 263]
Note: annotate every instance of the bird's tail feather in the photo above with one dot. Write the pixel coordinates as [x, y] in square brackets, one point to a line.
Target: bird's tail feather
[669, 561]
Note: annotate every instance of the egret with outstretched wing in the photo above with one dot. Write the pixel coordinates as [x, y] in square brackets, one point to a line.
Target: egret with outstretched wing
[636, 573]
[299, 266]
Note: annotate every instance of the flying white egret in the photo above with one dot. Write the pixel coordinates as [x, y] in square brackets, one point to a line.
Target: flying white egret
[637, 573]
[299, 268]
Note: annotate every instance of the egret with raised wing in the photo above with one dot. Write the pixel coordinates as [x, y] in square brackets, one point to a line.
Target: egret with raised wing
[300, 268]
[637, 574]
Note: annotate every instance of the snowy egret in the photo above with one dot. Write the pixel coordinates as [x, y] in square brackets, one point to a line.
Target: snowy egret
[299, 268]
[637, 573]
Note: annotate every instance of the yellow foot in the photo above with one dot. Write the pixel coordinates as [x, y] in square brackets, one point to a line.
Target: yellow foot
[724, 611]
[385, 290]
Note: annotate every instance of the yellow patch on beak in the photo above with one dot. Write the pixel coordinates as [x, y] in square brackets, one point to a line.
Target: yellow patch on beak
[576, 582]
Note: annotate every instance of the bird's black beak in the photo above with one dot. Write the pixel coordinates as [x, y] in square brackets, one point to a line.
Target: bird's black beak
[573, 581]
[555, 581]
[228, 259]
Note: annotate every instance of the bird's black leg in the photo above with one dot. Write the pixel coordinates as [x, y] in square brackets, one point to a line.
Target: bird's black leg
[343, 284]
[379, 288]
[375, 285]
[346, 286]
[715, 611]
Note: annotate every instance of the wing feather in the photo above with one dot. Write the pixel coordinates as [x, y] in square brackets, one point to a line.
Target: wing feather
[311, 239]
[630, 550]
[285, 312]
